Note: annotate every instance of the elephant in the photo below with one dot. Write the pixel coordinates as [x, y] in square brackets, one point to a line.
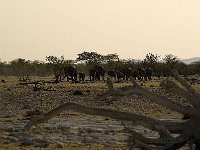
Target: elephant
[149, 73]
[142, 74]
[135, 74]
[92, 74]
[112, 74]
[127, 73]
[120, 75]
[81, 76]
[145, 73]
[96, 73]
[124, 73]
[70, 72]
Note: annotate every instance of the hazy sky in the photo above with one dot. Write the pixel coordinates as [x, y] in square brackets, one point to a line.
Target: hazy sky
[33, 29]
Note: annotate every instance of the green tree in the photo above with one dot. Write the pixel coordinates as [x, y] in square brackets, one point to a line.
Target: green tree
[40, 68]
[90, 57]
[111, 61]
[56, 65]
[110, 58]
[21, 68]
[2, 68]
[151, 60]
[194, 68]
[171, 61]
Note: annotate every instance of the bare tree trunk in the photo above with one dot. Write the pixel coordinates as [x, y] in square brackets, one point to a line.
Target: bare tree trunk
[188, 129]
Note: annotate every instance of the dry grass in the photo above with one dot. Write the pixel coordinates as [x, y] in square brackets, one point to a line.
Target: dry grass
[49, 100]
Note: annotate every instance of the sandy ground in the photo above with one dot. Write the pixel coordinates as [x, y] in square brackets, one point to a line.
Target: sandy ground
[72, 130]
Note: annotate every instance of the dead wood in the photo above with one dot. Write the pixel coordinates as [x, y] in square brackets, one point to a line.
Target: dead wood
[188, 129]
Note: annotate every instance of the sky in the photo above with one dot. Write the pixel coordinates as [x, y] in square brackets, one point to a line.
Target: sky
[34, 29]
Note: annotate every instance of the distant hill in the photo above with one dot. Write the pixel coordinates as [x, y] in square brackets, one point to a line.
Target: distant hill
[190, 60]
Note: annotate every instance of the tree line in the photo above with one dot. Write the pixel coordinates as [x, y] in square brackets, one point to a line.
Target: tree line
[54, 65]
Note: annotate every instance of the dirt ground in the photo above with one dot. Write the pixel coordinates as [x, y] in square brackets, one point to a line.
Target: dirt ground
[72, 130]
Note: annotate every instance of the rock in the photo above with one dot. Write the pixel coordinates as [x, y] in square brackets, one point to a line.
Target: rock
[26, 142]
[77, 92]
[22, 135]
[9, 138]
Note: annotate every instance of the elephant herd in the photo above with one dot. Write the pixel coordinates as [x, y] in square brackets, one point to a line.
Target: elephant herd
[126, 73]
[98, 73]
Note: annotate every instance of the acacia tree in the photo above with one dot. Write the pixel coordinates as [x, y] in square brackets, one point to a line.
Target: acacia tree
[56, 65]
[90, 57]
[111, 60]
[21, 68]
[151, 60]
[110, 57]
[39, 68]
[171, 60]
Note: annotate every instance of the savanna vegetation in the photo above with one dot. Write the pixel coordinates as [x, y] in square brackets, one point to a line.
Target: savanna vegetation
[53, 65]
[40, 110]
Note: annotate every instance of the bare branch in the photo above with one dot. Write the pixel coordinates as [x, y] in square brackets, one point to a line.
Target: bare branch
[143, 139]
[177, 142]
[188, 129]
[142, 145]
[163, 131]
[185, 84]
[161, 100]
[165, 102]
[137, 119]
[173, 88]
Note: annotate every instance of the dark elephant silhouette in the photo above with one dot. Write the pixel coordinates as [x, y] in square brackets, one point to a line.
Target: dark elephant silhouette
[70, 72]
[96, 73]
[123, 73]
[135, 74]
[142, 73]
[120, 75]
[149, 73]
[81, 76]
[127, 73]
[112, 74]
[145, 73]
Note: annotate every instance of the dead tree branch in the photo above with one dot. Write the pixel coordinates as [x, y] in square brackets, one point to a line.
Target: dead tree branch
[187, 129]
[174, 88]
[161, 100]
[187, 85]
[136, 119]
